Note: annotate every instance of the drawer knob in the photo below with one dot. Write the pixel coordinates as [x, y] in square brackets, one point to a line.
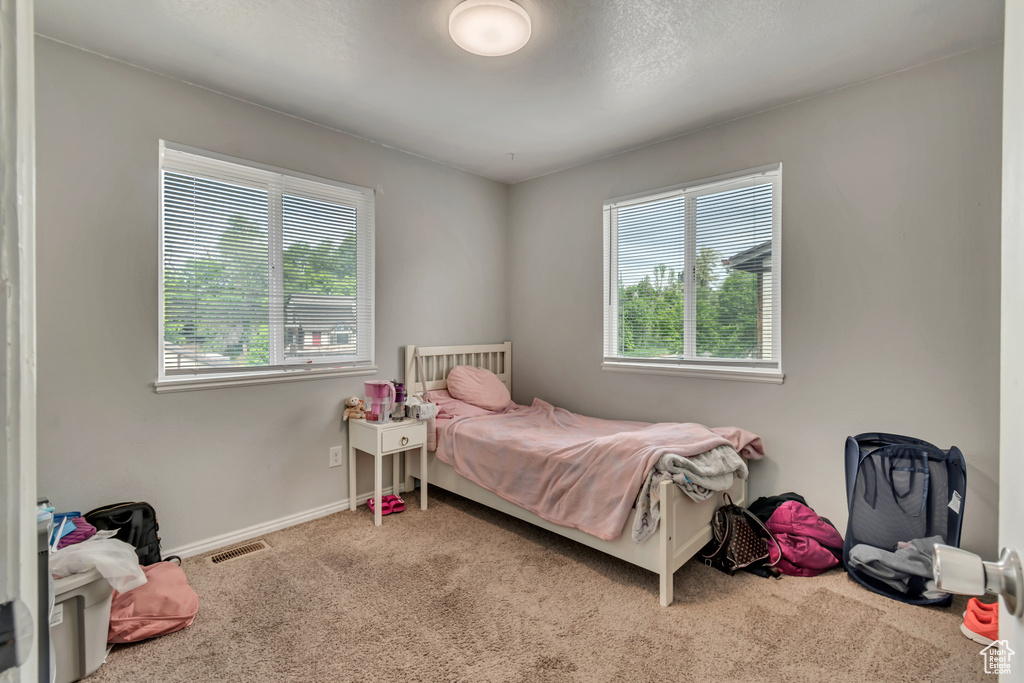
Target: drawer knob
[405, 440]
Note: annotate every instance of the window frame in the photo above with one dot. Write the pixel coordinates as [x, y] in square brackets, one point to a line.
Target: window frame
[750, 370]
[289, 369]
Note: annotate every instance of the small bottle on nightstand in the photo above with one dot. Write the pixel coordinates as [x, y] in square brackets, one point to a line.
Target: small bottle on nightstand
[398, 411]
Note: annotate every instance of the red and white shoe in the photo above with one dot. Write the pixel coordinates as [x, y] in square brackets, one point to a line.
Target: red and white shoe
[981, 623]
[985, 607]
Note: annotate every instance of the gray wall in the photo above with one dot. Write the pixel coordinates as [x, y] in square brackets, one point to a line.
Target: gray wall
[890, 280]
[216, 461]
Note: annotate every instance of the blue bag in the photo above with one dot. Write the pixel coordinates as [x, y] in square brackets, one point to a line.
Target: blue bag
[898, 489]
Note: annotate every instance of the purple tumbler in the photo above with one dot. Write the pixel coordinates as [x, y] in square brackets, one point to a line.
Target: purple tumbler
[398, 412]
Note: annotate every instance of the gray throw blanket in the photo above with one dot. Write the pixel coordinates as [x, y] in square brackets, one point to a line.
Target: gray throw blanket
[698, 476]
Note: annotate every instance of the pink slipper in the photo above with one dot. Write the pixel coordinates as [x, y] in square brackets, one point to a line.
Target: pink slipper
[385, 505]
[397, 504]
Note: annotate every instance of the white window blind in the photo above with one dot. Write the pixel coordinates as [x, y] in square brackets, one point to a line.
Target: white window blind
[263, 269]
[692, 278]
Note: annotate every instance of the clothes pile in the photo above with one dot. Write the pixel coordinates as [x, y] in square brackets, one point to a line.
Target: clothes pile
[76, 546]
[809, 544]
[151, 597]
[699, 476]
[70, 528]
[908, 569]
[797, 542]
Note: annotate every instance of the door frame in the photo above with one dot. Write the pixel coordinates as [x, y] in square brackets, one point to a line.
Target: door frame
[19, 561]
[1011, 399]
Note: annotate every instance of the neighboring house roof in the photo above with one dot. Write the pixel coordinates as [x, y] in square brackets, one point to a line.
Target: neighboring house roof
[191, 356]
[751, 260]
[319, 312]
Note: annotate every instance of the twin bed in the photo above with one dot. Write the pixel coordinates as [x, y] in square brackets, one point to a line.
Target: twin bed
[684, 526]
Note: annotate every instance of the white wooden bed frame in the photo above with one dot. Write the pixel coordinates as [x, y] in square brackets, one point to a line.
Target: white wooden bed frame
[685, 524]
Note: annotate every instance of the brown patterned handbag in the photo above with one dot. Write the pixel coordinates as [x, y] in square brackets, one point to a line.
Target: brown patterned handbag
[739, 540]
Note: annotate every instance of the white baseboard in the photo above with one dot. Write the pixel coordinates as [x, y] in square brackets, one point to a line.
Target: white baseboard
[231, 538]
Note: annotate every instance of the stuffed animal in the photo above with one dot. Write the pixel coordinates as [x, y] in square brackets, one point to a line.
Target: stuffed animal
[354, 409]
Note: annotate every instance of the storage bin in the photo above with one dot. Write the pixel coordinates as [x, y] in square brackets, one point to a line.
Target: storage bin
[79, 623]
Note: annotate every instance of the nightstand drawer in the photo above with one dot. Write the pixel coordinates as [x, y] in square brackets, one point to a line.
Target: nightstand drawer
[402, 438]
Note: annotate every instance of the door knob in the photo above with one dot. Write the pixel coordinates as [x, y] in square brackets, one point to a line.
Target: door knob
[958, 571]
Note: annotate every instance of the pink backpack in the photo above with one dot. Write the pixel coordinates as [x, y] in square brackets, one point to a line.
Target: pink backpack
[805, 540]
[164, 604]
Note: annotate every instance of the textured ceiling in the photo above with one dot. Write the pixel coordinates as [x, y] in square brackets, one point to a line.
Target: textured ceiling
[597, 77]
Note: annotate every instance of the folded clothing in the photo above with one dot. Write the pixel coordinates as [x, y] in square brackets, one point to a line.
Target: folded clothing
[898, 570]
[82, 531]
[65, 527]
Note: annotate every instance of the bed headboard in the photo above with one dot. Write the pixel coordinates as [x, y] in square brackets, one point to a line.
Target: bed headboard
[438, 361]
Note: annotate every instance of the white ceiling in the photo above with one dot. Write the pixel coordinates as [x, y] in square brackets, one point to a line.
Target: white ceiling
[597, 77]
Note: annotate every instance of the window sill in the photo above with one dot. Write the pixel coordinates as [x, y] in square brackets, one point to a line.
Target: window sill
[732, 374]
[196, 383]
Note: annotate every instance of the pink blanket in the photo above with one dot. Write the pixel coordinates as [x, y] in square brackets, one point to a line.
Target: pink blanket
[575, 471]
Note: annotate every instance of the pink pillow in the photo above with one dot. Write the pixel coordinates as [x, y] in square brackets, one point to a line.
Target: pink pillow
[480, 387]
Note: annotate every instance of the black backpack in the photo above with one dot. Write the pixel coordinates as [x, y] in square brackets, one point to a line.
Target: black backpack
[899, 489]
[135, 523]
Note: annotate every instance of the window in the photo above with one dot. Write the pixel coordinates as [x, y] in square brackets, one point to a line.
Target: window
[266, 274]
[691, 279]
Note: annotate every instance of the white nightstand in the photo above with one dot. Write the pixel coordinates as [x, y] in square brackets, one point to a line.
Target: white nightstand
[390, 438]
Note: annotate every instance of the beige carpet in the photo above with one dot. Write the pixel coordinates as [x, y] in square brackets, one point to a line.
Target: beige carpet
[463, 593]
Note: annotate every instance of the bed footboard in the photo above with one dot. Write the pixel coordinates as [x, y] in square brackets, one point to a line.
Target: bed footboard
[685, 528]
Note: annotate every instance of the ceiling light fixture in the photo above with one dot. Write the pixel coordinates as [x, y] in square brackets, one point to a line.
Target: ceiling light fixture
[491, 28]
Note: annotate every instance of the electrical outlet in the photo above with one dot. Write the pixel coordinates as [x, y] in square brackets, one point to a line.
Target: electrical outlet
[336, 454]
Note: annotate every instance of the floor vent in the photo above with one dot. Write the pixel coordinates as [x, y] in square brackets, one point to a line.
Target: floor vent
[241, 550]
